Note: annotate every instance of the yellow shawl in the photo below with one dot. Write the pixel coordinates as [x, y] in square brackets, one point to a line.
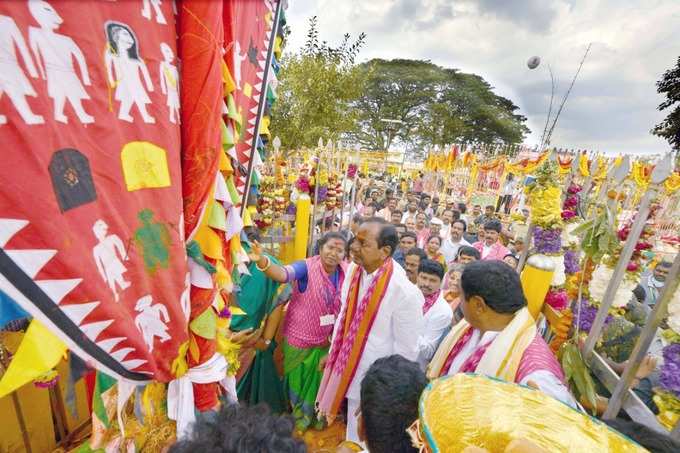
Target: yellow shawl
[502, 357]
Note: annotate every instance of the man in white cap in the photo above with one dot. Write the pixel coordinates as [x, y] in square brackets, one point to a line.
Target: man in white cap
[436, 226]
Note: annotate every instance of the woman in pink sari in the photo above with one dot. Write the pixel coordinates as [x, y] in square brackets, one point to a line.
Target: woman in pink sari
[309, 320]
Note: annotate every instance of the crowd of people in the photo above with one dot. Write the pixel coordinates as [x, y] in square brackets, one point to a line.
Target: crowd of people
[413, 290]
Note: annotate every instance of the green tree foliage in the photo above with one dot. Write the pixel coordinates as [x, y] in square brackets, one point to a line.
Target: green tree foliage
[324, 93]
[669, 85]
[395, 90]
[437, 106]
[318, 86]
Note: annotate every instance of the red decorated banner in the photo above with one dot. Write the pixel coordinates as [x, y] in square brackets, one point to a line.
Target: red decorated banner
[247, 30]
[91, 229]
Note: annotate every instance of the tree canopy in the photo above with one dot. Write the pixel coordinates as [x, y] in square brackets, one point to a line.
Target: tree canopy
[669, 85]
[318, 85]
[323, 93]
[436, 106]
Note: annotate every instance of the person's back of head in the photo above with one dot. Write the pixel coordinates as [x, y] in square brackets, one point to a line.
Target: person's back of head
[390, 391]
[494, 282]
[646, 437]
[418, 252]
[241, 429]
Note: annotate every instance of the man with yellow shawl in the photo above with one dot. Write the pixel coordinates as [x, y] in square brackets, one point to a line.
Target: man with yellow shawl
[498, 335]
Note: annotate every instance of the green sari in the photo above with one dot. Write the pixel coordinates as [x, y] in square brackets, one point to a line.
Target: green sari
[301, 379]
[259, 381]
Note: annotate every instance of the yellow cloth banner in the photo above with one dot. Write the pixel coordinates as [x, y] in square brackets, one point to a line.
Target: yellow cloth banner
[303, 207]
[535, 284]
[38, 353]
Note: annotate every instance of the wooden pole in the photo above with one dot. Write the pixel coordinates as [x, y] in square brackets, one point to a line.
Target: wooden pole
[4, 363]
[22, 422]
[312, 226]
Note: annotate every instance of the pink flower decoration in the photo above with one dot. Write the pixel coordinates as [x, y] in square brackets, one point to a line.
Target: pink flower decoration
[573, 189]
[571, 202]
[302, 184]
[632, 267]
[557, 299]
[566, 215]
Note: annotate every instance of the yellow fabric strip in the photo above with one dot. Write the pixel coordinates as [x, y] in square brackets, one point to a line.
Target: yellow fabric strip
[38, 353]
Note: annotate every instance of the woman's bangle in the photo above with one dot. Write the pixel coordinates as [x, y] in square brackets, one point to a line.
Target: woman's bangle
[269, 263]
[285, 269]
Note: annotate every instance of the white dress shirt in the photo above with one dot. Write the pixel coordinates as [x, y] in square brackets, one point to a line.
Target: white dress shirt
[406, 215]
[546, 381]
[436, 320]
[450, 249]
[397, 325]
[445, 232]
[385, 214]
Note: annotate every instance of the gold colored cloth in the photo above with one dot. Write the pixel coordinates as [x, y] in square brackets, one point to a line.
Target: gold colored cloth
[471, 410]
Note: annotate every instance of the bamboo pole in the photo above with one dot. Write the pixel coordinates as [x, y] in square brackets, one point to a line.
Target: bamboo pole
[4, 362]
[312, 226]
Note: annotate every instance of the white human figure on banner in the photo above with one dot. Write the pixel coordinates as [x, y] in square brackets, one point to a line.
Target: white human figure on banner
[152, 320]
[170, 82]
[146, 10]
[109, 255]
[123, 68]
[185, 298]
[238, 59]
[13, 81]
[57, 52]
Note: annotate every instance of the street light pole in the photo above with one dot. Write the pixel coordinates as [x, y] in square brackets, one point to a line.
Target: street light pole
[547, 132]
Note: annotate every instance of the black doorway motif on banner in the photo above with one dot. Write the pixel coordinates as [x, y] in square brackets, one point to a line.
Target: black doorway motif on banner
[71, 179]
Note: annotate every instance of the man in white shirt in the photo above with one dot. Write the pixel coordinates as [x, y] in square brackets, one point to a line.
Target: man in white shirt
[447, 219]
[386, 212]
[437, 313]
[381, 314]
[411, 212]
[506, 194]
[455, 240]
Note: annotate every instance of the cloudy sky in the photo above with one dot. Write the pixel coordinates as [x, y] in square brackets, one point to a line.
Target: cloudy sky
[613, 104]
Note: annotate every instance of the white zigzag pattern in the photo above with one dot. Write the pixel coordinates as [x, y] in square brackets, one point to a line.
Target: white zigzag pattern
[31, 261]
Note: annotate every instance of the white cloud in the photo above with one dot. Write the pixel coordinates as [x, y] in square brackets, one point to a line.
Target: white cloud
[613, 105]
